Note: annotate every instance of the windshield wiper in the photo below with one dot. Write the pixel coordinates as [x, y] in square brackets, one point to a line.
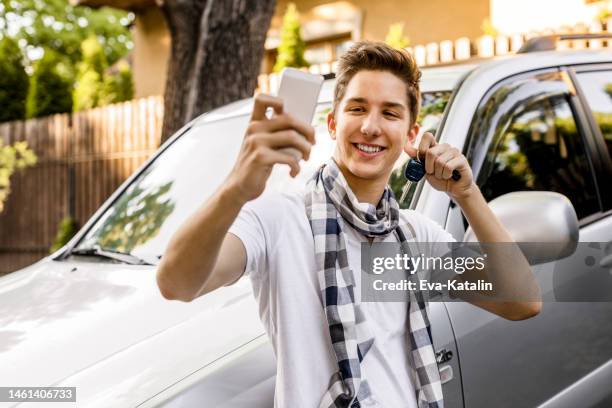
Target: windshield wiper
[98, 251]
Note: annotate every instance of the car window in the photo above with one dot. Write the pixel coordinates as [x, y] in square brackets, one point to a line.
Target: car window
[541, 149]
[144, 217]
[597, 87]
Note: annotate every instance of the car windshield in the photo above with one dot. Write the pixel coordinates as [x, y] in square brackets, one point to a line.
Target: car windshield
[144, 217]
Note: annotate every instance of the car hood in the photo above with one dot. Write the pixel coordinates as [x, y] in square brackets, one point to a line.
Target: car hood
[101, 326]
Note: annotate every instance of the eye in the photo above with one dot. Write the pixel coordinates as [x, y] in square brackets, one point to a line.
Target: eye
[356, 109]
[391, 113]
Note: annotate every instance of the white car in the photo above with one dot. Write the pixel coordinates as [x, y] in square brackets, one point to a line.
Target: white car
[91, 316]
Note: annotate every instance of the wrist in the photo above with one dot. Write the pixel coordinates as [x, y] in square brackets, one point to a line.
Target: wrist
[231, 196]
[468, 194]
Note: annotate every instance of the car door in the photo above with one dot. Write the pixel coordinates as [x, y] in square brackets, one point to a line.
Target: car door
[531, 132]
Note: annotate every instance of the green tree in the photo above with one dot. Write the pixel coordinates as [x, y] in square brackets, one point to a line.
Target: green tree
[118, 87]
[90, 75]
[50, 89]
[215, 56]
[608, 89]
[94, 85]
[604, 14]
[62, 27]
[395, 36]
[136, 218]
[67, 229]
[488, 28]
[12, 157]
[291, 47]
[13, 81]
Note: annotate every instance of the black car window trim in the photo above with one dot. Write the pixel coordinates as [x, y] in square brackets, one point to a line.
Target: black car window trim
[473, 137]
[107, 253]
[591, 151]
[602, 162]
[475, 146]
[598, 139]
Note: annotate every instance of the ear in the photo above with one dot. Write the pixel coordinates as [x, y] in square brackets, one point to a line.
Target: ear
[412, 135]
[331, 125]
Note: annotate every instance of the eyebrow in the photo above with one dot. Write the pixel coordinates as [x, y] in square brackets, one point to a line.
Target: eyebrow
[386, 103]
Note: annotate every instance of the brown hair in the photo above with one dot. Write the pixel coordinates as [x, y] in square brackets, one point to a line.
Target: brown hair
[378, 56]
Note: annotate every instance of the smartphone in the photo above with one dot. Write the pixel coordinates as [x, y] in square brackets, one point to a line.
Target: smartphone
[299, 91]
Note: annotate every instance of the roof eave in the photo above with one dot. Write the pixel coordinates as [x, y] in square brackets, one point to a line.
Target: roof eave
[130, 5]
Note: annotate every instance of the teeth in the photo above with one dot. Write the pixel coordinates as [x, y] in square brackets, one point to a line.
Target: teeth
[369, 149]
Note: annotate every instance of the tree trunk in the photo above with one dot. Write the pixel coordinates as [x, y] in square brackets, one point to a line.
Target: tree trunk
[217, 47]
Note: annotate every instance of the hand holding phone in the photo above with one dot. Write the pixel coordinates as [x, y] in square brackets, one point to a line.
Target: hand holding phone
[299, 91]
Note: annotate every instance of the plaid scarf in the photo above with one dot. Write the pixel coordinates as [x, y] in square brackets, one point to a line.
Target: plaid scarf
[330, 204]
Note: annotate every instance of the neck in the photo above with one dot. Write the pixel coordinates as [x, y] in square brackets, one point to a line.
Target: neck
[366, 190]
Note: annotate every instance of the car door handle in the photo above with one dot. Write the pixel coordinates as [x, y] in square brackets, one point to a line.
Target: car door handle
[606, 262]
[446, 374]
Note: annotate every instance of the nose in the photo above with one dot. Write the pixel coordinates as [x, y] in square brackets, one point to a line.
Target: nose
[371, 125]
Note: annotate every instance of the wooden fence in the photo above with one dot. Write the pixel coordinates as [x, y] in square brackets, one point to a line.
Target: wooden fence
[82, 158]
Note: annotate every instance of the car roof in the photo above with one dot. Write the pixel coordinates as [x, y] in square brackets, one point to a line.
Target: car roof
[482, 78]
[445, 77]
[503, 66]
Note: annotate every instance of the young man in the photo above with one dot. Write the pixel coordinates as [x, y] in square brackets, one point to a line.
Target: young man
[302, 251]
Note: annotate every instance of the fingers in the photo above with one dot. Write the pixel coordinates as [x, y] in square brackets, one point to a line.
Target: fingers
[270, 157]
[453, 164]
[431, 156]
[284, 139]
[427, 142]
[442, 159]
[411, 151]
[262, 103]
[441, 164]
[283, 122]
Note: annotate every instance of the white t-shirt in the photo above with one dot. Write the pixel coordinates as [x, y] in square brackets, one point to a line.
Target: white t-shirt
[281, 264]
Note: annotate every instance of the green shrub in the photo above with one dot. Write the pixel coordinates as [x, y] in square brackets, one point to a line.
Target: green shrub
[86, 94]
[13, 81]
[67, 228]
[291, 47]
[608, 89]
[94, 86]
[604, 14]
[90, 75]
[395, 36]
[12, 157]
[488, 28]
[118, 87]
[50, 89]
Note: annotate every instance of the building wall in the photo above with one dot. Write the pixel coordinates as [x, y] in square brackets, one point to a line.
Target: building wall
[151, 52]
[516, 16]
[424, 21]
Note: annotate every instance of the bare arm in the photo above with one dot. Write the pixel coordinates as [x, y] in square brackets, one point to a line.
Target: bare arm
[202, 255]
[507, 269]
[506, 266]
[197, 261]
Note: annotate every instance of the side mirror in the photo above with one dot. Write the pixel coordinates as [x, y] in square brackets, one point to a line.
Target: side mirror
[533, 217]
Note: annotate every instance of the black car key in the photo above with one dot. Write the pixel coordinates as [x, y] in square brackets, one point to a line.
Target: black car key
[415, 170]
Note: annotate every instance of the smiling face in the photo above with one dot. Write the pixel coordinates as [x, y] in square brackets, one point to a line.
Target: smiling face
[371, 126]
